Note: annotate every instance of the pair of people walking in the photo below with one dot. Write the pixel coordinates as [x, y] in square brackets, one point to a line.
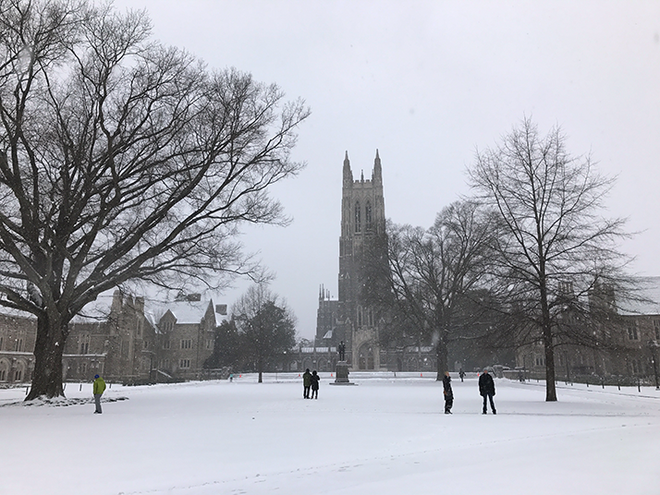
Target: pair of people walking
[311, 384]
[486, 390]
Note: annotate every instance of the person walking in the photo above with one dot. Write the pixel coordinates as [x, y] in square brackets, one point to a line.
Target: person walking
[307, 383]
[461, 373]
[487, 390]
[98, 389]
[315, 385]
[449, 394]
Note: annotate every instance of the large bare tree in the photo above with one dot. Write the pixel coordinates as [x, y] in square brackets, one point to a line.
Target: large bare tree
[556, 250]
[122, 159]
[427, 274]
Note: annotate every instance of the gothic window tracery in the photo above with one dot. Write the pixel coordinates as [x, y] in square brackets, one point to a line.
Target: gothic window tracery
[368, 216]
[358, 226]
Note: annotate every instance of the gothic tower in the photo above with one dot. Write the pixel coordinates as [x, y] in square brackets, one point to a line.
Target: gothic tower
[362, 218]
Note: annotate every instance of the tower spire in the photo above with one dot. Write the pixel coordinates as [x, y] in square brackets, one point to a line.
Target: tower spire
[348, 174]
[378, 171]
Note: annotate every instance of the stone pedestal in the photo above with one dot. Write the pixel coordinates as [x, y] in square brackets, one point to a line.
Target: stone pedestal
[342, 374]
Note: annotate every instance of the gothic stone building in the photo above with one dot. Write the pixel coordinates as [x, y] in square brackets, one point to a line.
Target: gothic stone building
[122, 340]
[631, 344]
[350, 318]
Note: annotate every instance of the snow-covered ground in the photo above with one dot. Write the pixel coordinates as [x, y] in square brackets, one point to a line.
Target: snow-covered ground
[383, 436]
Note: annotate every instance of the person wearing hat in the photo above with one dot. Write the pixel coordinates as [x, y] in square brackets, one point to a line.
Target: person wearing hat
[487, 390]
[99, 388]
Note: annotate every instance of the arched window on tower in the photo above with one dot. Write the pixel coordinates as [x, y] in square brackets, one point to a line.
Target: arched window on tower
[367, 215]
[358, 219]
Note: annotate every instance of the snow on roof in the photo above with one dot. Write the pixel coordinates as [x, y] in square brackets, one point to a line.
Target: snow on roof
[183, 311]
[650, 305]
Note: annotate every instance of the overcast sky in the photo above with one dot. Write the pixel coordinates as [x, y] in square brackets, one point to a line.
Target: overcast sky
[427, 83]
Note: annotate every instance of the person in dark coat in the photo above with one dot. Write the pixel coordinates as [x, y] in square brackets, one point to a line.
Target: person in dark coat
[461, 373]
[449, 394]
[307, 383]
[487, 390]
[315, 385]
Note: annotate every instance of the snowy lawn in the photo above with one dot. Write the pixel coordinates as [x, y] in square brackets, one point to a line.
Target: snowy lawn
[382, 436]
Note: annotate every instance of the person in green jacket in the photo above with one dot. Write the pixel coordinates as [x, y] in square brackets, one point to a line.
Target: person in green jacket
[99, 388]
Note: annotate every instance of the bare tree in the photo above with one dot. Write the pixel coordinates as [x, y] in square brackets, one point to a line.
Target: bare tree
[427, 274]
[266, 326]
[556, 250]
[120, 160]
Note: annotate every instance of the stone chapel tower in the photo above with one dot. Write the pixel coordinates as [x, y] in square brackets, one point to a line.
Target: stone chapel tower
[362, 218]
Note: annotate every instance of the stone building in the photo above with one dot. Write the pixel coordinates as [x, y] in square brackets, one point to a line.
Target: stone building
[629, 345]
[17, 338]
[120, 339]
[184, 338]
[349, 318]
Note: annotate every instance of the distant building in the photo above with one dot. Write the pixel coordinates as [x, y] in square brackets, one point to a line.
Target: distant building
[119, 339]
[629, 343]
[350, 318]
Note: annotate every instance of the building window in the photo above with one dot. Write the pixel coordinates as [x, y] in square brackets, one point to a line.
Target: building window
[656, 327]
[358, 220]
[18, 375]
[184, 363]
[209, 344]
[18, 345]
[539, 361]
[1, 342]
[84, 344]
[3, 374]
[186, 344]
[166, 326]
[145, 344]
[367, 215]
[166, 344]
[632, 332]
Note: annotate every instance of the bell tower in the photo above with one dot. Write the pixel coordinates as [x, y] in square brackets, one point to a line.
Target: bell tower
[362, 219]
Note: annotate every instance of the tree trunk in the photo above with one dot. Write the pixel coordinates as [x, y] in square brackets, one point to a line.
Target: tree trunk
[48, 350]
[441, 360]
[550, 388]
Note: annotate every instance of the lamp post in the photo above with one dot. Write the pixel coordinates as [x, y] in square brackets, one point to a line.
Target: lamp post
[653, 344]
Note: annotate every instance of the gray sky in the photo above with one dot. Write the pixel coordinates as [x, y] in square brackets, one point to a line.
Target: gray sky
[427, 83]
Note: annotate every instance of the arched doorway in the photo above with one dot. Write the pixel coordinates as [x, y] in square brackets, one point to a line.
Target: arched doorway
[366, 357]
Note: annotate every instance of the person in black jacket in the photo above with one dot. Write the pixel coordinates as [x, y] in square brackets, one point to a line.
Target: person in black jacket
[487, 390]
[315, 385]
[307, 383]
[449, 394]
